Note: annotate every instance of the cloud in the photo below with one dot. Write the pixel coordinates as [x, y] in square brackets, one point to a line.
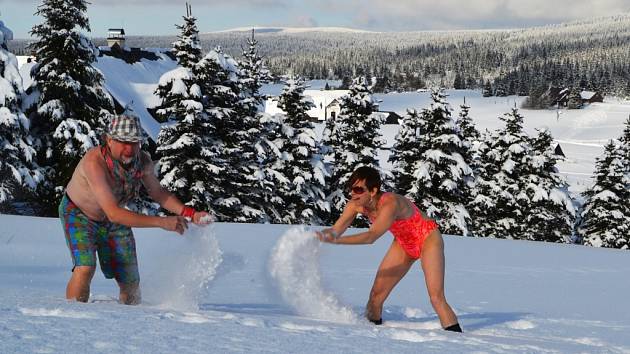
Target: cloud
[304, 21]
[458, 14]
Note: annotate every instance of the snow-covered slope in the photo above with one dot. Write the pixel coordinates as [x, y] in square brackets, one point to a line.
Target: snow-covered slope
[510, 296]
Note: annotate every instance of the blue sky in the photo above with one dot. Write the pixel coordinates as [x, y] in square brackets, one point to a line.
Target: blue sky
[159, 16]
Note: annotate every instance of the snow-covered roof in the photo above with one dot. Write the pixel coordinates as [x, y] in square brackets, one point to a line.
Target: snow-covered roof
[587, 95]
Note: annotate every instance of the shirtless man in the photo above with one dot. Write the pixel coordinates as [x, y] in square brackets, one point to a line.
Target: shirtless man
[94, 217]
[415, 237]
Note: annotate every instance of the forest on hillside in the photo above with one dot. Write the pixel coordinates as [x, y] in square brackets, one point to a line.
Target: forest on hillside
[590, 55]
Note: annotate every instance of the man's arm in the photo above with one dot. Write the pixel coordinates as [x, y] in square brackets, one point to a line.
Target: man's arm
[96, 176]
[155, 190]
[165, 198]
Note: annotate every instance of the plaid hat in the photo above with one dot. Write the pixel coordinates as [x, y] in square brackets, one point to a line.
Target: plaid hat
[127, 128]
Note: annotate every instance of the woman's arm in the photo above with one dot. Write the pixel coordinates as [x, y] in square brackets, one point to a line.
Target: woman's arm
[383, 222]
[348, 215]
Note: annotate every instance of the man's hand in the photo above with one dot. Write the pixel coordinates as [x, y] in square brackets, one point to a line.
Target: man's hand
[202, 218]
[175, 223]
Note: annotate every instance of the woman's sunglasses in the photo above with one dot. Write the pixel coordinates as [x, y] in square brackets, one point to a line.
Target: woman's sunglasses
[357, 190]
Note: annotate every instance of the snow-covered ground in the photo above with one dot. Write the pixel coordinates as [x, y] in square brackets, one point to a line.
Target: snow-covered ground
[272, 288]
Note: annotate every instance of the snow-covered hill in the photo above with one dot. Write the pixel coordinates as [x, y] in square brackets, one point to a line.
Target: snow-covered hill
[510, 296]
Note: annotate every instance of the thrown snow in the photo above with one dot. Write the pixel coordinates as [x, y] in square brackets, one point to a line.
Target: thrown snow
[294, 264]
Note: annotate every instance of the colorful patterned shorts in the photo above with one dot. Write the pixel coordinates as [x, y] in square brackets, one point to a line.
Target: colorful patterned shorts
[114, 243]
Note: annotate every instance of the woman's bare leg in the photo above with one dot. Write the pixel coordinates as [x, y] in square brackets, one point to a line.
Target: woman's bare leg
[433, 268]
[394, 266]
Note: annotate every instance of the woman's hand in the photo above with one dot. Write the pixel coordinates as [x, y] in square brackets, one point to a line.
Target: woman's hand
[327, 235]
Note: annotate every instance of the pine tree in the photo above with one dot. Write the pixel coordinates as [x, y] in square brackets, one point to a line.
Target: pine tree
[187, 49]
[406, 151]
[17, 156]
[471, 140]
[575, 100]
[174, 86]
[71, 107]
[605, 218]
[217, 74]
[441, 174]
[496, 210]
[548, 209]
[261, 150]
[625, 145]
[185, 145]
[353, 138]
[487, 89]
[302, 161]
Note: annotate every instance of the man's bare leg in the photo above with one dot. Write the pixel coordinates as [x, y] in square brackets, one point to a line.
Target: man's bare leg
[394, 266]
[79, 285]
[433, 268]
[130, 293]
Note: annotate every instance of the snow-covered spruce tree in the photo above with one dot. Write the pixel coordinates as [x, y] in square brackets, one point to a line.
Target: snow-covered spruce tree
[406, 151]
[352, 141]
[440, 174]
[184, 145]
[605, 218]
[261, 153]
[625, 145]
[70, 106]
[17, 156]
[471, 139]
[186, 48]
[549, 213]
[174, 85]
[496, 210]
[303, 166]
[575, 99]
[217, 74]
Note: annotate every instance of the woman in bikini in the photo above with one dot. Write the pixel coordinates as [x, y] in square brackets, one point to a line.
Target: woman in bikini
[415, 237]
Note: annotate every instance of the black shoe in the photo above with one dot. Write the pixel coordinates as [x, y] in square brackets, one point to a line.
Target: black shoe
[376, 322]
[454, 328]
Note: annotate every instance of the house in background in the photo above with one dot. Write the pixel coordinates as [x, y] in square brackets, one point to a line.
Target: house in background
[389, 117]
[326, 104]
[590, 97]
[116, 37]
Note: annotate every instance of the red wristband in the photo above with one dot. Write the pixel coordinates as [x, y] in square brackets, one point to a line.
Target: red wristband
[188, 212]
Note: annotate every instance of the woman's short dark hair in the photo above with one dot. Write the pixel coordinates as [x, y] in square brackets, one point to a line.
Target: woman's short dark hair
[371, 176]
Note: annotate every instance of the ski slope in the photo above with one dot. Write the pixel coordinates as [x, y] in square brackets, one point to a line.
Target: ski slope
[273, 289]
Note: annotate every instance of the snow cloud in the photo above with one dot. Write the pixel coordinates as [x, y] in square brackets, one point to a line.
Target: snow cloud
[458, 14]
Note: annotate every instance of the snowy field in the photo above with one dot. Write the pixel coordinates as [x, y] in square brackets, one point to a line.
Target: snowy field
[271, 288]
